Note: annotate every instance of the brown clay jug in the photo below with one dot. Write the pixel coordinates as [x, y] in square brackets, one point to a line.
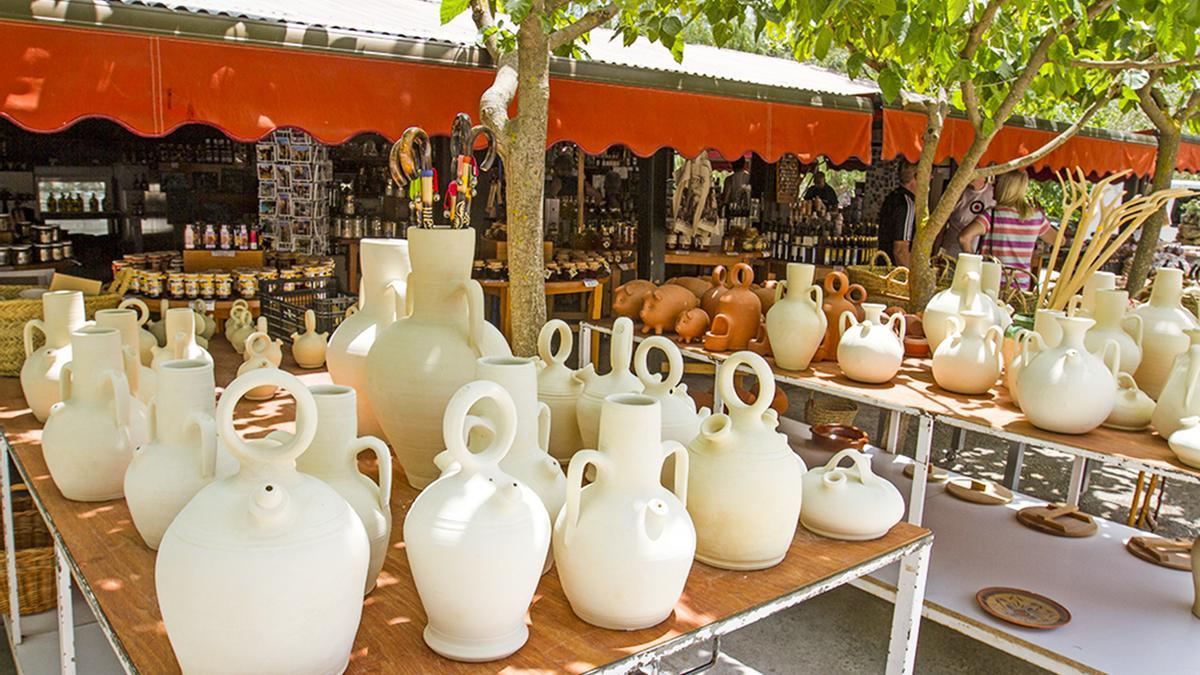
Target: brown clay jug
[766, 294]
[696, 285]
[691, 324]
[720, 284]
[840, 296]
[739, 314]
[663, 306]
[628, 298]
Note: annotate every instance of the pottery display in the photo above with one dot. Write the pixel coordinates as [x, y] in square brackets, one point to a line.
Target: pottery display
[840, 296]
[476, 538]
[180, 325]
[181, 456]
[964, 295]
[1179, 397]
[1185, 442]
[142, 379]
[1133, 409]
[159, 328]
[1066, 388]
[1045, 325]
[257, 357]
[145, 339]
[62, 314]
[419, 361]
[333, 457]
[1084, 303]
[795, 323]
[559, 390]
[720, 284]
[678, 414]
[694, 284]
[850, 503]
[263, 571]
[238, 327]
[662, 307]
[871, 351]
[628, 297]
[691, 324]
[766, 294]
[617, 381]
[744, 480]
[1163, 321]
[308, 349]
[738, 314]
[206, 325]
[91, 433]
[1112, 323]
[968, 360]
[624, 544]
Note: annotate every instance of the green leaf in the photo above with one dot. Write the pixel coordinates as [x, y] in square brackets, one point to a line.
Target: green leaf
[824, 40]
[518, 9]
[889, 84]
[671, 26]
[854, 64]
[955, 10]
[1135, 78]
[450, 9]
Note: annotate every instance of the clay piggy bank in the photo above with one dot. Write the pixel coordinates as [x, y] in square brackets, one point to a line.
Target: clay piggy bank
[663, 306]
[628, 299]
[696, 285]
[691, 324]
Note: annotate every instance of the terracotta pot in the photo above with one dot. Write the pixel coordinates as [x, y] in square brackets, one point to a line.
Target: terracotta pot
[696, 285]
[691, 324]
[309, 349]
[628, 298]
[62, 314]
[1163, 321]
[916, 347]
[662, 308]
[840, 296]
[720, 284]
[796, 320]
[739, 313]
[766, 294]
[559, 390]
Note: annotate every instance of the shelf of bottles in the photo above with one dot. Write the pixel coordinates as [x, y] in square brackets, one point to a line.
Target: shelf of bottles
[809, 233]
[221, 237]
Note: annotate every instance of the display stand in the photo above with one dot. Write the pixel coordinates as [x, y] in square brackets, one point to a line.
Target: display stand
[103, 555]
[593, 289]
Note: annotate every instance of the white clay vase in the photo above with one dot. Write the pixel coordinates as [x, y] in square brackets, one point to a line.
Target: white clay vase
[1179, 397]
[181, 456]
[257, 347]
[1112, 323]
[1164, 321]
[872, 351]
[420, 360]
[617, 381]
[309, 349]
[243, 326]
[1185, 442]
[382, 298]
[206, 325]
[744, 480]
[145, 339]
[90, 435]
[680, 418]
[263, 571]
[62, 314]
[270, 349]
[333, 457]
[558, 389]
[1133, 409]
[964, 295]
[239, 317]
[1083, 304]
[1045, 325]
[990, 276]
[476, 538]
[1068, 389]
[795, 323]
[968, 360]
[142, 379]
[624, 544]
[159, 328]
[849, 502]
[181, 339]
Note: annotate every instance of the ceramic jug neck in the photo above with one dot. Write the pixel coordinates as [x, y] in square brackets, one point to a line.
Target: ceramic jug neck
[628, 436]
[1109, 307]
[94, 355]
[337, 427]
[799, 277]
[1168, 288]
[183, 388]
[62, 314]
[438, 300]
[1073, 331]
[967, 263]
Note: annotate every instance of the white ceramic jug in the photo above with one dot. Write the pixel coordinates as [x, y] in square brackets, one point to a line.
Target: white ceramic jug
[617, 381]
[968, 360]
[181, 456]
[872, 351]
[964, 295]
[159, 328]
[239, 325]
[623, 543]
[990, 276]
[849, 503]
[1163, 321]
[381, 299]
[1133, 409]
[680, 418]
[309, 349]
[142, 379]
[145, 339]
[1185, 442]
[477, 538]
[271, 349]
[206, 325]
[1083, 304]
[258, 346]
[1112, 323]
[795, 323]
[333, 457]
[180, 326]
[90, 435]
[1179, 397]
[62, 314]
[420, 360]
[1045, 325]
[263, 571]
[558, 389]
[743, 479]
[1068, 389]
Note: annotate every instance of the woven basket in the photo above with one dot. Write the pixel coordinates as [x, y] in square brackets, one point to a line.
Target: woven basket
[829, 410]
[15, 312]
[36, 590]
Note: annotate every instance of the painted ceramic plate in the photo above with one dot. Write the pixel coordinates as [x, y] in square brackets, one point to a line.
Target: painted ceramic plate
[1022, 608]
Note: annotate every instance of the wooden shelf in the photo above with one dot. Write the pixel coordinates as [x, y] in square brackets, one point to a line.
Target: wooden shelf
[203, 260]
[84, 215]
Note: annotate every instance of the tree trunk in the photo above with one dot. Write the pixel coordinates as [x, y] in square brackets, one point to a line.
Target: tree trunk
[921, 248]
[1164, 170]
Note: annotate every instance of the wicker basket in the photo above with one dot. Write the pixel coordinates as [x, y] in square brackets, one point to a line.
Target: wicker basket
[16, 311]
[829, 410]
[884, 282]
[36, 590]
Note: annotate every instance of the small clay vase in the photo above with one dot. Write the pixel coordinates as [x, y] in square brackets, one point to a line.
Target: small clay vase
[308, 348]
[766, 294]
[720, 284]
[628, 298]
[663, 306]
[739, 314]
[696, 285]
[691, 324]
[840, 296]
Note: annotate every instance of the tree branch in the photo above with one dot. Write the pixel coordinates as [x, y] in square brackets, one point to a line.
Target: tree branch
[975, 37]
[1152, 105]
[570, 33]
[481, 14]
[1132, 64]
[1190, 109]
[494, 103]
[971, 103]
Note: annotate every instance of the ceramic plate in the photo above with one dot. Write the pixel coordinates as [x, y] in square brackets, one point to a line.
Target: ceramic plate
[1022, 608]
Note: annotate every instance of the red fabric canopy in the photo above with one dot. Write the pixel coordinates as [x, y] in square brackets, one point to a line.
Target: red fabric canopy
[903, 130]
[1189, 157]
[51, 77]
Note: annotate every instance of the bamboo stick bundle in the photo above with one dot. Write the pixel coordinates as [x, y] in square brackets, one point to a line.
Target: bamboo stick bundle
[1093, 208]
[1073, 197]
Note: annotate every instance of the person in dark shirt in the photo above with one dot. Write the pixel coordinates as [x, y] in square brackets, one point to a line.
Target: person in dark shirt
[822, 190]
[897, 217]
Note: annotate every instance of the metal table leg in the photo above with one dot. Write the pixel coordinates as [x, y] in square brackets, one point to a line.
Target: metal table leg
[916, 495]
[1075, 487]
[906, 618]
[1012, 467]
[10, 547]
[958, 440]
[585, 344]
[892, 444]
[66, 618]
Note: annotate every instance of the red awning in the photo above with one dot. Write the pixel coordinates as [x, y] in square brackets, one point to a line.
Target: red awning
[1189, 157]
[902, 132]
[51, 77]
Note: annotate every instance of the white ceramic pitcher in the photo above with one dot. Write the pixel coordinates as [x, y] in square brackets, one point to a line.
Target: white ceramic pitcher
[558, 389]
[62, 314]
[617, 381]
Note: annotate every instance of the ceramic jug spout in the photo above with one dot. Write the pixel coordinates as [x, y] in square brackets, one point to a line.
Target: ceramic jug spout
[717, 430]
[269, 505]
[510, 494]
[585, 375]
[655, 516]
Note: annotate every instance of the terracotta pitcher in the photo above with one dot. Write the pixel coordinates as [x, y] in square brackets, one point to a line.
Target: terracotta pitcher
[841, 296]
[663, 306]
[628, 298]
[739, 313]
[62, 314]
[720, 284]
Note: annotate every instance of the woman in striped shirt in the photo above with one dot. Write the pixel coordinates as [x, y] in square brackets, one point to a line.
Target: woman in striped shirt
[1010, 231]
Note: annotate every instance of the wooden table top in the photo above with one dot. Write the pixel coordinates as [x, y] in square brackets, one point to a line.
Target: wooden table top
[119, 571]
[553, 287]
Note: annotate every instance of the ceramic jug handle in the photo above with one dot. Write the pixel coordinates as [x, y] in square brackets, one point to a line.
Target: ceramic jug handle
[816, 296]
[544, 416]
[862, 464]
[1073, 304]
[456, 424]
[475, 312]
[121, 396]
[398, 288]
[995, 334]
[1112, 356]
[843, 326]
[674, 363]
[30, 326]
[766, 383]
[743, 275]
[384, 459]
[720, 276]
[954, 326]
[310, 321]
[780, 290]
[898, 324]
[64, 381]
[972, 289]
[140, 307]
[546, 342]
[206, 431]
[306, 416]
[1126, 381]
[133, 364]
[621, 347]
[1138, 328]
[575, 473]
[1193, 381]
[856, 293]
[681, 467]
